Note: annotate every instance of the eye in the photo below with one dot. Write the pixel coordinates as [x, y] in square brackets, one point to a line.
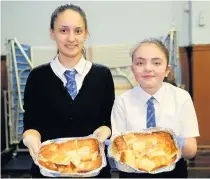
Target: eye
[78, 31]
[157, 63]
[139, 63]
[63, 31]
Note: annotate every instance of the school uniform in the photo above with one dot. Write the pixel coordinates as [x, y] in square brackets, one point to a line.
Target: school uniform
[51, 111]
[173, 109]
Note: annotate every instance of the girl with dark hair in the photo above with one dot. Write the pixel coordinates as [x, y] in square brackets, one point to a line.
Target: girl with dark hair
[70, 96]
[156, 103]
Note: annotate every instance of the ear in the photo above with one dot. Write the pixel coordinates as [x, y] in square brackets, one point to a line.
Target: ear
[168, 69]
[86, 35]
[132, 69]
[52, 34]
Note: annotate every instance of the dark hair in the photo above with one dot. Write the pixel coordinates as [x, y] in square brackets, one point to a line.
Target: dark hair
[170, 79]
[72, 7]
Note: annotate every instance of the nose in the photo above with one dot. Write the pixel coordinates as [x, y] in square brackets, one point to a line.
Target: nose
[71, 36]
[148, 67]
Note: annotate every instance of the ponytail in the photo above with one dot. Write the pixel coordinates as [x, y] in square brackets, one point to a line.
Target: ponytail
[84, 53]
[170, 79]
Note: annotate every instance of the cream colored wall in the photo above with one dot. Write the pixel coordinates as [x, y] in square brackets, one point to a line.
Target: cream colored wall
[117, 58]
[109, 22]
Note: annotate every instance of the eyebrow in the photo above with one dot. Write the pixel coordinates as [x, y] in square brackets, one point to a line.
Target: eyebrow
[65, 26]
[141, 58]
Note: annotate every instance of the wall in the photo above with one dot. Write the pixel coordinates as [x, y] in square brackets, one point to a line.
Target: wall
[201, 33]
[110, 22]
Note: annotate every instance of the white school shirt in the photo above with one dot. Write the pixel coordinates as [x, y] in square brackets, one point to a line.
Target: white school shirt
[174, 109]
[82, 68]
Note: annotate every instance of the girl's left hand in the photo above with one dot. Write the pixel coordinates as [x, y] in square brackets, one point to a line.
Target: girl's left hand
[102, 133]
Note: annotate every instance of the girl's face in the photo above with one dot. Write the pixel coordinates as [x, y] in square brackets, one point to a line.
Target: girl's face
[150, 66]
[69, 33]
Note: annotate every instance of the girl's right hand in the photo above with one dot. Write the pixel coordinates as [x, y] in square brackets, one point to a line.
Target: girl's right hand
[33, 144]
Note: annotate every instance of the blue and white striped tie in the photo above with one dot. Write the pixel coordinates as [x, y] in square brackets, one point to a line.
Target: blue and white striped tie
[71, 83]
[150, 113]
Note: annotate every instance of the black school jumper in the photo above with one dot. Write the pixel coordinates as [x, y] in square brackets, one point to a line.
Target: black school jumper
[50, 110]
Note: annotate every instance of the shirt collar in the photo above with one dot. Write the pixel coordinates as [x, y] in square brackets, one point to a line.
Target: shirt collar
[79, 66]
[60, 68]
[160, 93]
[144, 96]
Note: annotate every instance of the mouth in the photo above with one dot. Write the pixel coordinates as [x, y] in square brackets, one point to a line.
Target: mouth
[148, 76]
[71, 46]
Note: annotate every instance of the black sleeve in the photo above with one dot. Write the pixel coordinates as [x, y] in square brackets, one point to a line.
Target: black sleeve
[108, 99]
[32, 102]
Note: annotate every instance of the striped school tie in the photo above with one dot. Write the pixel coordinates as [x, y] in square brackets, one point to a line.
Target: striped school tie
[151, 113]
[71, 83]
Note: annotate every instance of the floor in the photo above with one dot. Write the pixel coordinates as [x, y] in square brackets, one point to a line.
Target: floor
[18, 166]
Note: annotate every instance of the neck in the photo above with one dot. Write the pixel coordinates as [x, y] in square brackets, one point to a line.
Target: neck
[69, 62]
[151, 90]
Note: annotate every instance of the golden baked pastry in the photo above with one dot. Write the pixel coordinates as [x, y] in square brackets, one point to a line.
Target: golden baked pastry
[145, 151]
[74, 156]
